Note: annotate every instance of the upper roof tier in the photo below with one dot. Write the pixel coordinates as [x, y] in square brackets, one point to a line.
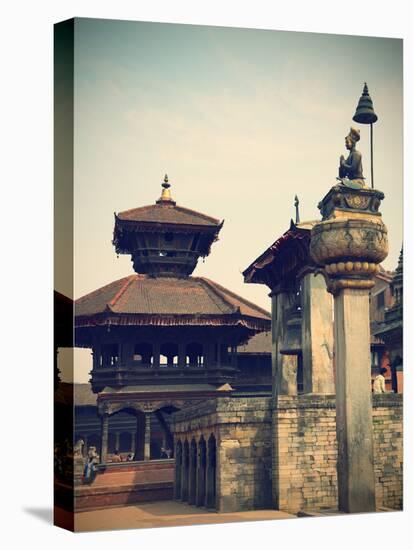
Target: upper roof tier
[164, 239]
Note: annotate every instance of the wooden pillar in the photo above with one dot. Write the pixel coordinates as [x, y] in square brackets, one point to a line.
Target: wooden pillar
[133, 444]
[181, 355]
[116, 441]
[104, 438]
[147, 448]
[218, 344]
[140, 437]
[156, 354]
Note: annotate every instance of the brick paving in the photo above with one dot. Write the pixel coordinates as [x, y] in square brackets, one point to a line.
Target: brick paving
[164, 514]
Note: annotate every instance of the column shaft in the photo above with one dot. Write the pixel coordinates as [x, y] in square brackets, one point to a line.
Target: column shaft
[284, 367]
[354, 402]
[147, 448]
[104, 438]
[317, 335]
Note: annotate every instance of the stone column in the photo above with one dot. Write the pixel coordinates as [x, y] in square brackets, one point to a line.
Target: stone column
[184, 471]
[133, 443]
[349, 243]
[284, 367]
[117, 441]
[192, 477]
[353, 401]
[104, 438]
[147, 448]
[317, 335]
[201, 464]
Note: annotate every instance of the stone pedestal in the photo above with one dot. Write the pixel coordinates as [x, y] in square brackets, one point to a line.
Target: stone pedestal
[349, 243]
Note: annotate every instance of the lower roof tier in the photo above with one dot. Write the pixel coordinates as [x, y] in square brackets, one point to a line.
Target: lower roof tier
[141, 300]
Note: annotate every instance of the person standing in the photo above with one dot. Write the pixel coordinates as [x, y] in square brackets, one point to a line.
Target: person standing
[379, 384]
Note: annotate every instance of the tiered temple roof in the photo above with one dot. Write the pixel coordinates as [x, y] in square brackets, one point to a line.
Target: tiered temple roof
[168, 301]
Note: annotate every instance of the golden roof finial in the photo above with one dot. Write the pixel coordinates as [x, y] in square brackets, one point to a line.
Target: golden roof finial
[166, 192]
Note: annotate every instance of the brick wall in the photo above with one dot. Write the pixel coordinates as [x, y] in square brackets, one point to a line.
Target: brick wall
[305, 452]
[388, 450]
[283, 454]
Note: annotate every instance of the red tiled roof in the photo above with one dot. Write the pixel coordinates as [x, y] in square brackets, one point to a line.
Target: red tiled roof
[167, 213]
[273, 255]
[139, 299]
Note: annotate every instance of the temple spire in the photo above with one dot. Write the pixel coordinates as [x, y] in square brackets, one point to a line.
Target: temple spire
[166, 193]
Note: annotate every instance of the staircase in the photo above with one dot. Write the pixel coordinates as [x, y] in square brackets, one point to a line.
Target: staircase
[125, 483]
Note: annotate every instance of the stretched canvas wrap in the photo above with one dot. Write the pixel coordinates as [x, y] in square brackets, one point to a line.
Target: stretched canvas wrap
[210, 371]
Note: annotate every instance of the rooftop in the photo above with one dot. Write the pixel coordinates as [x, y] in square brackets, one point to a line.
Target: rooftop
[144, 300]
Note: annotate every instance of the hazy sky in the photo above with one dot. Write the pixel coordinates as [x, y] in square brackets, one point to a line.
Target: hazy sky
[241, 120]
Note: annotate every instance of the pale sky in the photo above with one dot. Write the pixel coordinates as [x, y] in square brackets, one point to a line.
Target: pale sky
[240, 120]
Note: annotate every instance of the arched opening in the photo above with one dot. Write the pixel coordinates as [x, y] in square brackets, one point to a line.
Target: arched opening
[200, 485]
[194, 355]
[210, 497]
[178, 470]
[168, 355]
[112, 443]
[143, 354]
[162, 442]
[192, 472]
[185, 471]
[127, 434]
[125, 442]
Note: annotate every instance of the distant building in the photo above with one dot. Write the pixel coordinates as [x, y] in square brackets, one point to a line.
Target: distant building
[390, 328]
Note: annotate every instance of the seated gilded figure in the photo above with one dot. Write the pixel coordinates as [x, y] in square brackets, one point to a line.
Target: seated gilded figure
[350, 172]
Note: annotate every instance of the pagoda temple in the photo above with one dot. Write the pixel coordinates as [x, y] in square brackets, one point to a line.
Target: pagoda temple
[161, 338]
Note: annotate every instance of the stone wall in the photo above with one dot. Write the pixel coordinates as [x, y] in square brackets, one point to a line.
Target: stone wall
[305, 452]
[242, 429]
[388, 449]
[283, 454]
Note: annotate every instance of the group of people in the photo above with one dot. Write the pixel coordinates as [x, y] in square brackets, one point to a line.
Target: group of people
[117, 457]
